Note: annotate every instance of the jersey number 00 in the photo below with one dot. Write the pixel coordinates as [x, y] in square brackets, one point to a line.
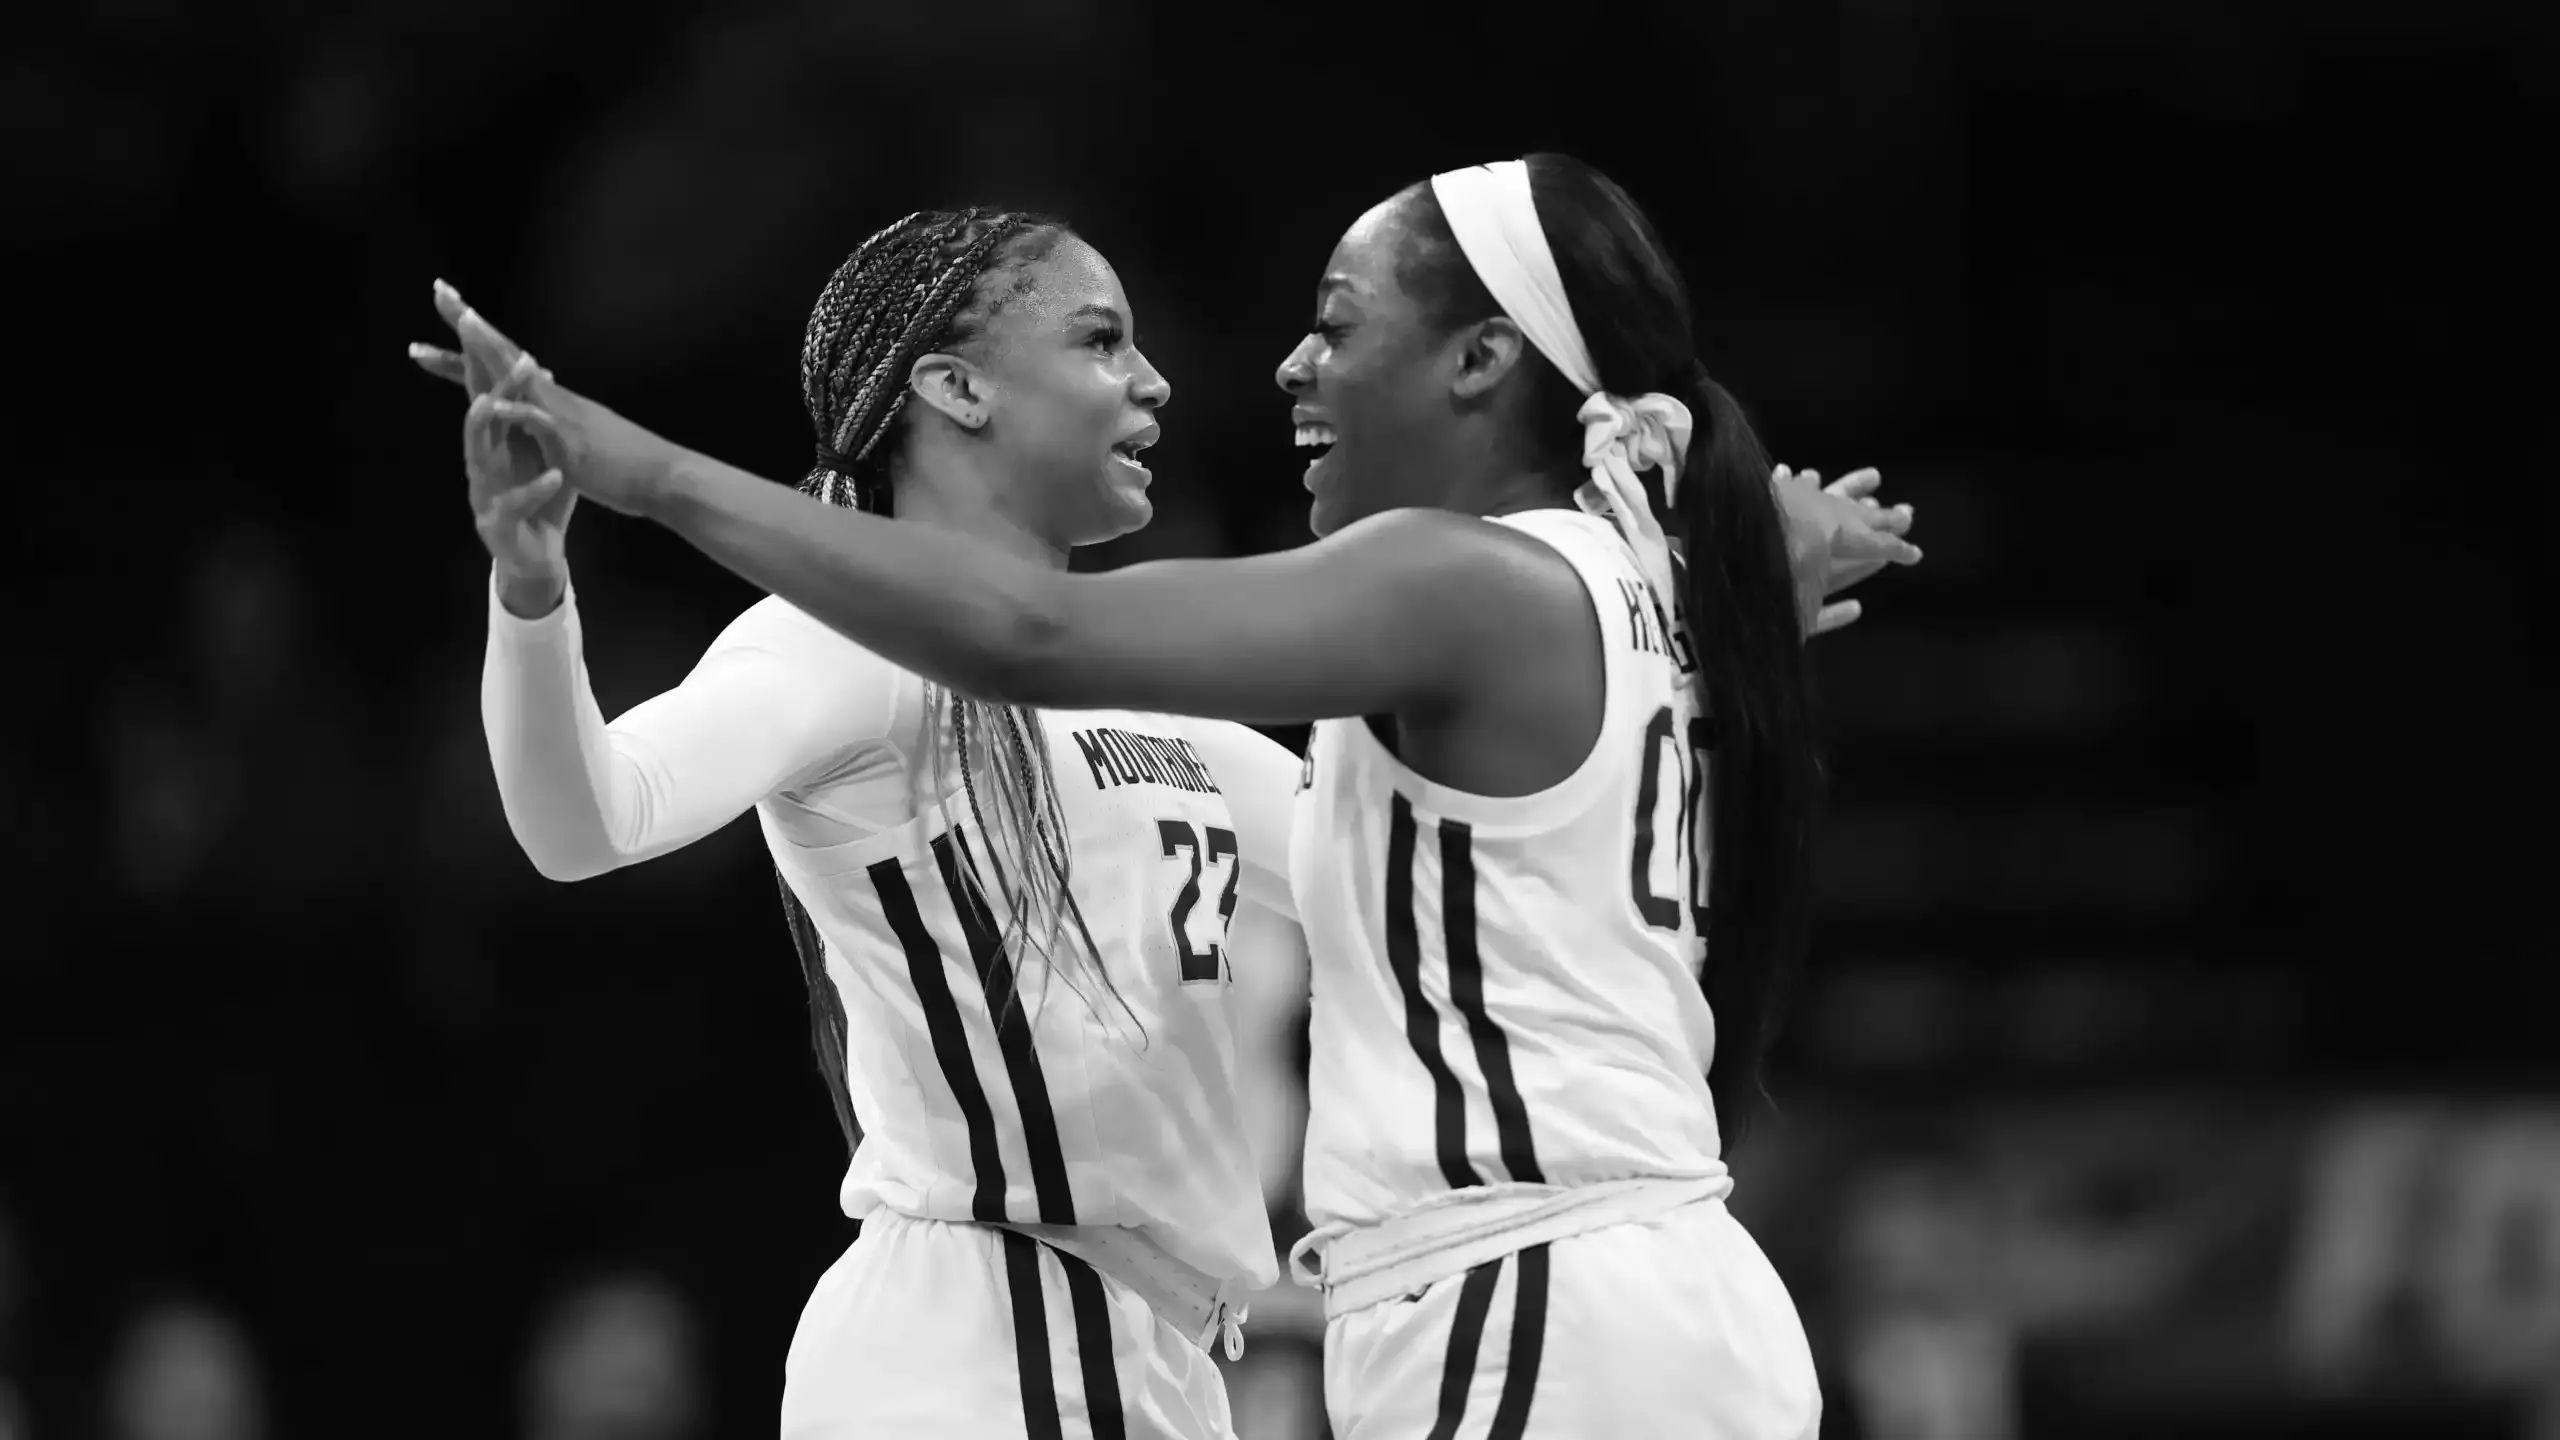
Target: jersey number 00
[1676, 831]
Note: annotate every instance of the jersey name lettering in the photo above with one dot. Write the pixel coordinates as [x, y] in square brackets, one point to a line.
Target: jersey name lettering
[1126, 757]
[1651, 631]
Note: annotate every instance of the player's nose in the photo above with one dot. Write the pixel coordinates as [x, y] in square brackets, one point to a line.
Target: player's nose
[1148, 386]
[1297, 369]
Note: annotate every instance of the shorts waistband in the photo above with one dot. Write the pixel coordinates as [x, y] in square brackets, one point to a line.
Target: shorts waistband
[1204, 1308]
[1359, 1266]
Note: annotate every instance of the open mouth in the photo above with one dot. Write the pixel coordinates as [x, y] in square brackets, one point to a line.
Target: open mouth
[1316, 440]
[1127, 450]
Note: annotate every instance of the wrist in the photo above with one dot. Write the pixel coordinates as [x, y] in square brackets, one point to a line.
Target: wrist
[531, 592]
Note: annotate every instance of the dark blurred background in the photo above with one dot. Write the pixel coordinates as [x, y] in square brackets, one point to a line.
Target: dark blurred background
[2176, 1057]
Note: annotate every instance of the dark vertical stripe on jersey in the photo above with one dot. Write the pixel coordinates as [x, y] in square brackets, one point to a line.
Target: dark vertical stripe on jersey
[1031, 1338]
[1093, 1348]
[1466, 1335]
[1049, 1186]
[1421, 1023]
[1528, 1345]
[950, 1040]
[1466, 991]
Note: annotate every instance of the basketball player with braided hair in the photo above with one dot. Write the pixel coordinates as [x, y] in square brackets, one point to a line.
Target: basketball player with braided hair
[1539, 1011]
[1060, 1209]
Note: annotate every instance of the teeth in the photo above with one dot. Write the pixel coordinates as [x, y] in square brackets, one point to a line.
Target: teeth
[1315, 435]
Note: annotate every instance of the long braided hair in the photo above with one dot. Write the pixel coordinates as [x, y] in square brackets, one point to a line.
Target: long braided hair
[930, 284]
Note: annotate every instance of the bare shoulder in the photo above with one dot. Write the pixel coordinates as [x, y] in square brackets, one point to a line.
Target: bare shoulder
[1497, 573]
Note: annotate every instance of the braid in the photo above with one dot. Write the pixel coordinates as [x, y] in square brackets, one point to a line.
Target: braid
[917, 287]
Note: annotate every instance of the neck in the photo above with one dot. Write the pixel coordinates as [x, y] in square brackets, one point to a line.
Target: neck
[966, 504]
[1494, 479]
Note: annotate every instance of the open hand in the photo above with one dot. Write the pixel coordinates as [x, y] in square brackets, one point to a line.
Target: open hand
[596, 452]
[518, 503]
[1857, 536]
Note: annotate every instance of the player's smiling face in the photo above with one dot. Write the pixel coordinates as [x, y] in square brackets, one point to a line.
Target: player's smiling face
[1368, 386]
[1074, 397]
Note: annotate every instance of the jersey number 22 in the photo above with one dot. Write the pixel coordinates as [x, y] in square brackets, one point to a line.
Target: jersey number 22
[1210, 962]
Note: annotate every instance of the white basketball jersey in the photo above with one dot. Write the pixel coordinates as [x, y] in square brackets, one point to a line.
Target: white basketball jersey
[988, 1088]
[1507, 989]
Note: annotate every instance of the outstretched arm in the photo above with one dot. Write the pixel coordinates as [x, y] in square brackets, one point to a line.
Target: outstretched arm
[1432, 598]
[1394, 613]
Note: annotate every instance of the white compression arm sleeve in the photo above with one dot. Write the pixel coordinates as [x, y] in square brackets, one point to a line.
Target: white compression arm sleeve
[776, 698]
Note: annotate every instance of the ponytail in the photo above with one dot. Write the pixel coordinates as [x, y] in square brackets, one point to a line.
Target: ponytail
[1756, 689]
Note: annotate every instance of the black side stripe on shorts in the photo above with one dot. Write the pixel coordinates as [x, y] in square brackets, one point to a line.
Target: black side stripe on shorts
[1520, 1364]
[1466, 1335]
[950, 1040]
[1528, 1346]
[1031, 1338]
[1093, 1348]
[1466, 991]
[1049, 1185]
[1421, 1023]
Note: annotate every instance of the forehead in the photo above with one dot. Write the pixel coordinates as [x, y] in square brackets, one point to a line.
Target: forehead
[1365, 260]
[1050, 291]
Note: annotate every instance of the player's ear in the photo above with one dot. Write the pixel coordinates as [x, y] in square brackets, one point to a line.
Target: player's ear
[1483, 353]
[953, 386]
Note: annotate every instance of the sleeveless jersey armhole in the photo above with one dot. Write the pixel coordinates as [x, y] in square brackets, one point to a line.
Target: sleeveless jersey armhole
[1585, 544]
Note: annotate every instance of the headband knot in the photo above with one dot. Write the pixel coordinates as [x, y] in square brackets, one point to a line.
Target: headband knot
[1650, 432]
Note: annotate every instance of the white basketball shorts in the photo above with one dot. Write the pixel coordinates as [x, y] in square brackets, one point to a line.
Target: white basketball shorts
[925, 1327]
[1672, 1326]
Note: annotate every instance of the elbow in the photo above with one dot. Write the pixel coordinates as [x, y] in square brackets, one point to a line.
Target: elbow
[566, 868]
[558, 856]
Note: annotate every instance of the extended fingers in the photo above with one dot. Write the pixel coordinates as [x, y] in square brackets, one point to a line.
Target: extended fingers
[1899, 551]
[1836, 615]
[481, 433]
[491, 352]
[1858, 484]
[1894, 521]
[484, 425]
[442, 364]
[512, 505]
[1880, 539]
[524, 413]
[518, 382]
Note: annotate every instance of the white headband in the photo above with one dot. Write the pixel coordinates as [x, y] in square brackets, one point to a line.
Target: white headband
[1495, 220]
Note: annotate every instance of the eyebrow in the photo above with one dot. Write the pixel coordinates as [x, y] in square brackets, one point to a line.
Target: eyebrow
[1103, 313]
[1336, 281]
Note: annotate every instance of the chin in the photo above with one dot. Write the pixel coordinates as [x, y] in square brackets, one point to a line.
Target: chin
[1132, 512]
[1329, 510]
[1109, 506]
[1121, 513]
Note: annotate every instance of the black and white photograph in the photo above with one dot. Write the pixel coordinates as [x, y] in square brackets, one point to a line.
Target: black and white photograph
[1127, 720]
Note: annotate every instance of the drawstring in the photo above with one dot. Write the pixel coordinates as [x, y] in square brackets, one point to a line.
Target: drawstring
[1226, 1321]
